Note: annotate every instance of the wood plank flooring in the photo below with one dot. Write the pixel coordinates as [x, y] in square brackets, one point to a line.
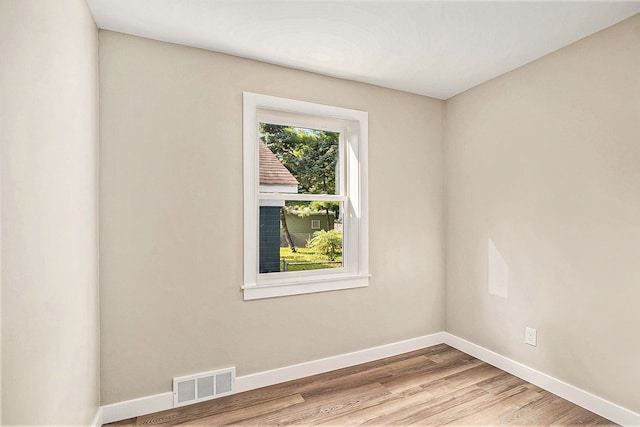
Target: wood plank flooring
[433, 386]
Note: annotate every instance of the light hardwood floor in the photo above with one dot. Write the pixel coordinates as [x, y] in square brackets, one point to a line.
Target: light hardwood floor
[432, 386]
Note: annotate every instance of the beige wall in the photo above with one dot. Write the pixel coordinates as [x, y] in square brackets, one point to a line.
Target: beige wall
[171, 221]
[544, 161]
[48, 132]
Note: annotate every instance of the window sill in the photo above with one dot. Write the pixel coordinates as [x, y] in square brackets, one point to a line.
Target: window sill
[333, 283]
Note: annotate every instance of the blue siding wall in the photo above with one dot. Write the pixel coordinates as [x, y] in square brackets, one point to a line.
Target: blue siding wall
[269, 239]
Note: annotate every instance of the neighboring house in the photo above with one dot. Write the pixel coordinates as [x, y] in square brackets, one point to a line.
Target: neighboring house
[302, 225]
[274, 178]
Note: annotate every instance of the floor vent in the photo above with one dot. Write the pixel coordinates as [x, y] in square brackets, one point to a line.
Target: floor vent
[205, 386]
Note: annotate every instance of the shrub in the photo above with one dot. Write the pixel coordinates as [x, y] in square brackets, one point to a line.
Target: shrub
[327, 243]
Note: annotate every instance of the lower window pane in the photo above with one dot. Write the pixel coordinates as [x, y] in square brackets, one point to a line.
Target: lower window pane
[300, 236]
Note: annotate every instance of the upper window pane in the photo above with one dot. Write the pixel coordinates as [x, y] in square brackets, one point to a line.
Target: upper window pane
[298, 160]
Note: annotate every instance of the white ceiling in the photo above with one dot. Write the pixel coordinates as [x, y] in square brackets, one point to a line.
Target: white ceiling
[433, 48]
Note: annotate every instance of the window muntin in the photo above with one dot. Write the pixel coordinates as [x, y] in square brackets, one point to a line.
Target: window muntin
[349, 192]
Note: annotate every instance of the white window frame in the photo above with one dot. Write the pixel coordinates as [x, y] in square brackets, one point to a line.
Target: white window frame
[353, 128]
[315, 224]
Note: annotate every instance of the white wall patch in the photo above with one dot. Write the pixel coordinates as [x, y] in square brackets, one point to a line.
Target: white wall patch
[498, 277]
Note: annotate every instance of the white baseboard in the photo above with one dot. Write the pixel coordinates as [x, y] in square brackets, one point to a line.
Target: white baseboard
[602, 407]
[97, 420]
[301, 370]
[137, 407]
[160, 402]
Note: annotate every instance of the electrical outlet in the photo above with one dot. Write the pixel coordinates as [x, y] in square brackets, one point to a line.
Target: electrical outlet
[530, 336]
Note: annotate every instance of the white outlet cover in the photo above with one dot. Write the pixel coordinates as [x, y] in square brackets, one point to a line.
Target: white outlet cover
[531, 336]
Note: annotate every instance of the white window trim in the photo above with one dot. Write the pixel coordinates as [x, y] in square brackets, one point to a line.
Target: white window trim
[353, 124]
[315, 224]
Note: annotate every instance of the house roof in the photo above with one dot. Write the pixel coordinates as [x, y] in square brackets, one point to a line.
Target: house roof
[272, 171]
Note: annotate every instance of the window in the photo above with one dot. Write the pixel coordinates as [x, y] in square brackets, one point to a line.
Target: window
[305, 190]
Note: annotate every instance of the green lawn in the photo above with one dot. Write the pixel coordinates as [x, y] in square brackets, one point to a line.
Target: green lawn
[304, 254]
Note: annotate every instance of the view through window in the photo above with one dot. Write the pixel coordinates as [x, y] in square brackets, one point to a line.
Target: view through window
[300, 219]
[305, 197]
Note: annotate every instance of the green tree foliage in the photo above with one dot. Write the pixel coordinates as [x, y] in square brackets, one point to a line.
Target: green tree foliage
[327, 243]
[334, 207]
[310, 155]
